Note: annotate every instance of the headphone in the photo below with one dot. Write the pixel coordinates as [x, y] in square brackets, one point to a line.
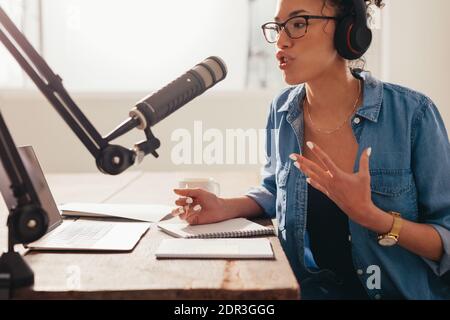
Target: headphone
[353, 36]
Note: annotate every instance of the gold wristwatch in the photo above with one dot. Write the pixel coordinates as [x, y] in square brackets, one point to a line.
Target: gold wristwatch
[391, 238]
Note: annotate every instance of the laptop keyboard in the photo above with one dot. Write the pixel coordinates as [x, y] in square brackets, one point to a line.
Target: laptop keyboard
[80, 233]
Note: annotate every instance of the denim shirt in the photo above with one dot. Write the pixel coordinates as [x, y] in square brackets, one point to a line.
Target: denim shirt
[410, 174]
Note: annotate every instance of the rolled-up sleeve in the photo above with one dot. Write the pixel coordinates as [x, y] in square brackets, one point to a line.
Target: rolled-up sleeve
[265, 194]
[443, 267]
[431, 167]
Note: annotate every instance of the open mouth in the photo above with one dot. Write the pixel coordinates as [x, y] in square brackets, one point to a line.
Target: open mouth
[283, 59]
[284, 62]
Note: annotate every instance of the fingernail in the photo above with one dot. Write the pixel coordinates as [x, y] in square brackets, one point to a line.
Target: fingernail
[176, 213]
[197, 207]
[308, 180]
[310, 145]
[293, 157]
[369, 151]
[189, 200]
[297, 165]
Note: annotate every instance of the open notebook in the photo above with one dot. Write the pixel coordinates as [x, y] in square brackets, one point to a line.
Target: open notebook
[233, 228]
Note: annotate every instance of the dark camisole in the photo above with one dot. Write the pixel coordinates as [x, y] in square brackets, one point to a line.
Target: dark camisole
[330, 243]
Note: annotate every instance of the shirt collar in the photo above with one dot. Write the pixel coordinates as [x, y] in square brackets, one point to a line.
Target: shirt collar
[372, 97]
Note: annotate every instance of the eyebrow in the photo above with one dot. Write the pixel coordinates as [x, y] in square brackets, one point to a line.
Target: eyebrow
[292, 14]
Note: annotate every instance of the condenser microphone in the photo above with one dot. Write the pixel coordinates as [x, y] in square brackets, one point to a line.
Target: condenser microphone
[159, 105]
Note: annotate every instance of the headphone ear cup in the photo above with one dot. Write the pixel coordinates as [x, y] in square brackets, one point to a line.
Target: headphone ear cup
[342, 38]
[351, 41]
[361, 39]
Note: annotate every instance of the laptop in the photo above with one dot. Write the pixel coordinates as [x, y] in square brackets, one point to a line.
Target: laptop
[71, 234]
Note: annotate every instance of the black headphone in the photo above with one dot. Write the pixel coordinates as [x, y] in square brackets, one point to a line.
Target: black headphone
[353, 36]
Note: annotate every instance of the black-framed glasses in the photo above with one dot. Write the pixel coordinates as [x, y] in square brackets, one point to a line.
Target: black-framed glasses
[295, 27]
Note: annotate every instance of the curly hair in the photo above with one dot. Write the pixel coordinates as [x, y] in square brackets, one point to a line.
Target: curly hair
[344, 7]
[378, 3]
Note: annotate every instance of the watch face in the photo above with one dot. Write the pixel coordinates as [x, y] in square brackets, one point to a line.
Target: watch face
[387, 241]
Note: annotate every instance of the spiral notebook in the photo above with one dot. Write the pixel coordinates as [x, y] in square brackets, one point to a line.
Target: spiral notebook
[233, 228]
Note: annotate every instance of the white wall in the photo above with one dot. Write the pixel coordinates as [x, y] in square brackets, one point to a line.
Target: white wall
[33, 121]
[415, 55]
[417, 49]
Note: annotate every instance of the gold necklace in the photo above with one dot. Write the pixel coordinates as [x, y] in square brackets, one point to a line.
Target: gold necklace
[340, 125]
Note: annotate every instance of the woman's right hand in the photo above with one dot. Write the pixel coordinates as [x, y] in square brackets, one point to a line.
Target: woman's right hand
[198, 206]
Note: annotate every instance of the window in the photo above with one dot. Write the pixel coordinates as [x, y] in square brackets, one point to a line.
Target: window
[26, 16]
[141, 45]
[263, 69]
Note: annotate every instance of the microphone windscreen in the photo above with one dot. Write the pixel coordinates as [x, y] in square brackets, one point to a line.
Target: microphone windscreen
[211, 70]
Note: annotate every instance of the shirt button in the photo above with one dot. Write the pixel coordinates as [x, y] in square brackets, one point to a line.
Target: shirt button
[359, 272]
[377, 297]
[357, 120]
[349, 238]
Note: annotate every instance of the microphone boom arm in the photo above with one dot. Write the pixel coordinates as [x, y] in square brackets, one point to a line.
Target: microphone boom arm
[110, 159]
[27, 220]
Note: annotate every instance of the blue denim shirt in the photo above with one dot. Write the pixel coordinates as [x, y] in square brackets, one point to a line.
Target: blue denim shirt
[410, 174]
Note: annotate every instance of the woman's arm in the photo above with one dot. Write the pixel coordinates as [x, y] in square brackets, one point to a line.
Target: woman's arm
[198, 206]
[421, 239]
[352, 193]
[244, 207]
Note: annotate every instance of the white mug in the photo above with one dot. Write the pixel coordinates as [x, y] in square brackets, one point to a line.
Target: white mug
[207, 184]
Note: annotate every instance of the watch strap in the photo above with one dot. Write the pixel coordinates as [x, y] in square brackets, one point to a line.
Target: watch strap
[397, 225]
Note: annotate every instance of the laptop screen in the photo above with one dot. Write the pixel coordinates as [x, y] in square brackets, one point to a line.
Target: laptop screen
[34, 170]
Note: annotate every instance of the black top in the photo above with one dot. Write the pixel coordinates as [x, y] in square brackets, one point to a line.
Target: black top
[328, 230]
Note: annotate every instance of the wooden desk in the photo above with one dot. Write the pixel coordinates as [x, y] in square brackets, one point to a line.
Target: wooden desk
[138, 274]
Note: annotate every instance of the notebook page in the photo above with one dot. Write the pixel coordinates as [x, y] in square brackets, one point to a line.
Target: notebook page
[140, 212]
[229, 228]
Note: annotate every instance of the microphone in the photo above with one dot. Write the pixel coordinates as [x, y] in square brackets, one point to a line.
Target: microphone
[159, 105]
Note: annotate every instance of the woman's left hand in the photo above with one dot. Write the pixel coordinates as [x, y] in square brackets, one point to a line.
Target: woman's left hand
[350, 192]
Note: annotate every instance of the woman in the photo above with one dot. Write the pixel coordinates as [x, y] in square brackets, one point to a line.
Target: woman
[357, 173]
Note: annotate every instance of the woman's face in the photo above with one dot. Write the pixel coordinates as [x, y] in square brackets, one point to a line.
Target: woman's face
[304, 59]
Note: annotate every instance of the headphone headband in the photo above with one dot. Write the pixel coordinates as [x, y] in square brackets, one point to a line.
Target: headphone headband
[360, 12]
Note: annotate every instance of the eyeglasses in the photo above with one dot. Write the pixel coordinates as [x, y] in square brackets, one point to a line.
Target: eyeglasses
[295, 27]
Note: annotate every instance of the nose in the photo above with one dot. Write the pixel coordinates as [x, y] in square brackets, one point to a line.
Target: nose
[283, 39]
